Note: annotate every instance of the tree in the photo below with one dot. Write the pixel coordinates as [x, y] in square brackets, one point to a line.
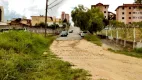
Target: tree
[138, 1]
[88, 19]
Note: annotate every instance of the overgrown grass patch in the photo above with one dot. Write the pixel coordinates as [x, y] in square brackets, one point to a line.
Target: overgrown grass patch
[22, 58]
[133, 53]
[94, 39]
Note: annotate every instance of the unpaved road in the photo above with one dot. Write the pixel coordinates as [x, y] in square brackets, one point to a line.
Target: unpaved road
[101, 63]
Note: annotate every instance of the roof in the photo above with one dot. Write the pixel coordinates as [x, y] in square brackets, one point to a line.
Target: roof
[129, 5]
[99, 4]
[39, 16]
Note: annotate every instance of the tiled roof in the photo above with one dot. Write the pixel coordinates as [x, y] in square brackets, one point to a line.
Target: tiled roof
[100, 4]
[129, 5]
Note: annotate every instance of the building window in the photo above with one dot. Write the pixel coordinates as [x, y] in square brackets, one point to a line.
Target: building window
[129, 7]
[122, 17]
[129, 17]
[104, 11]
[134, 12]
[129, 12]
[122, 12]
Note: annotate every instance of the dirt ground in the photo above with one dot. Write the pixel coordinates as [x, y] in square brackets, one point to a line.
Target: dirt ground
[102, 64]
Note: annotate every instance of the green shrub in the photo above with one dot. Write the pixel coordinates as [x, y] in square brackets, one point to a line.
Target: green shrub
[94, 39]
[138, 50]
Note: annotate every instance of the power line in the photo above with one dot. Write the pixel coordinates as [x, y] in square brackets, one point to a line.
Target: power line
[52, 2]
[55, 5]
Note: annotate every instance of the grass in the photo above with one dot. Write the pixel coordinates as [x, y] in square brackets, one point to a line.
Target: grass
[94, 39]
[134, 53]
[22, 58]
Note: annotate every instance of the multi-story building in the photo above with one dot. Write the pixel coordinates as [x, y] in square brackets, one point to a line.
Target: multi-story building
[1, 14]
[129, 13]
[65, 16]
[103, 8]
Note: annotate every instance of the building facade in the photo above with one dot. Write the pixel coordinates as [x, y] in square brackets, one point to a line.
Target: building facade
[65, 16]
[1, 14]
[39, 19]
[103, 8]
[129, 13]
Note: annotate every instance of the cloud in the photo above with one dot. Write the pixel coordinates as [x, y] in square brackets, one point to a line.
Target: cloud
[19, 8]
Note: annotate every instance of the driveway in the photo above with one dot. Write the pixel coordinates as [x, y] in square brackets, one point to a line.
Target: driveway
[101, 63]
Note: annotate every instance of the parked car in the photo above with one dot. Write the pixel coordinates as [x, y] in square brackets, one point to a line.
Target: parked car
[70, 31]
[64, 34]
[85, 32]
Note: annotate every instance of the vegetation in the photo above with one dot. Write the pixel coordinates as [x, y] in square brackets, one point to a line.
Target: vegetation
[134, 53]
[42, 24]
[138, 1]
[88, 19]
[22, 58]
[94, 39]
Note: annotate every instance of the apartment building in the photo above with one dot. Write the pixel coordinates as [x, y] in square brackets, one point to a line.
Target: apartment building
[65, 16]
[1, 14]
[129, 13]
[103, 8]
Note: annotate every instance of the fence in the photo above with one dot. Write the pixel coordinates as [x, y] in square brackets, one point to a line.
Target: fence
[128, 37]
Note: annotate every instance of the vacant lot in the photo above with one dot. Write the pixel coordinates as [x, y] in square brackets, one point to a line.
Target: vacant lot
[101, 63]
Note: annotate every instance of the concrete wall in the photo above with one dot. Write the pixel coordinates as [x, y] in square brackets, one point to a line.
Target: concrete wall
[2, 14]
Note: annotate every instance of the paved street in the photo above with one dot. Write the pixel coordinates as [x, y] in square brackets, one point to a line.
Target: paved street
[72, 36]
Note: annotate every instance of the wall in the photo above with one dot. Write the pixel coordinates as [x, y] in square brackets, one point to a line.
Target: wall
[2, 14]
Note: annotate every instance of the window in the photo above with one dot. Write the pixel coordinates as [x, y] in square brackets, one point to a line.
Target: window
[129, 12]
[134, 12]
[129, 17]
[104, 11]
[122, 17]
[122, 12]
[129, 7]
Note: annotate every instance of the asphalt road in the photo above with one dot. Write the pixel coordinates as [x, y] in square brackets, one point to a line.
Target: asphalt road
[72, 36]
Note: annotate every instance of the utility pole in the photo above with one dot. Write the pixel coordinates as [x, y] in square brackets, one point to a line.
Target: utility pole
[46, 16]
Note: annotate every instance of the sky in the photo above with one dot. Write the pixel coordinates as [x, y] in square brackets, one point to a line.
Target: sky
[28, 8]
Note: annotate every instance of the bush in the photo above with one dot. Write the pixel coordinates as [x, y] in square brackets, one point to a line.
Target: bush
[94, 39]
[138, 50]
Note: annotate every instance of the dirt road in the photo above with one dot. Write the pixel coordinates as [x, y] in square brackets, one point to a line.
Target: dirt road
[101, 63]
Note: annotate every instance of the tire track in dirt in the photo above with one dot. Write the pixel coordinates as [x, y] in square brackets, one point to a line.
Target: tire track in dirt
[101, 63]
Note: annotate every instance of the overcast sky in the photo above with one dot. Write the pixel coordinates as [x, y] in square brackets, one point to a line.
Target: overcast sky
[18, 8]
